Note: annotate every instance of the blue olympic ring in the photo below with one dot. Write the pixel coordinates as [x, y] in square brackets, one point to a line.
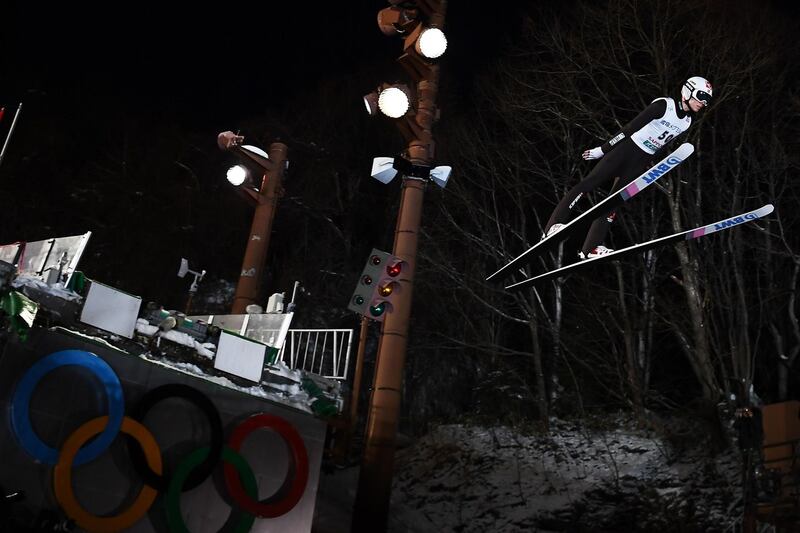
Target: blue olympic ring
[20, 405]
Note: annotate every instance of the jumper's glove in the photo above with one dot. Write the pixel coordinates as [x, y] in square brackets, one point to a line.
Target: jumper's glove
[593, 153]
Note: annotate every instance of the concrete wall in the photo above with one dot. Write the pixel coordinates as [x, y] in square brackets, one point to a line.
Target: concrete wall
[69, 396]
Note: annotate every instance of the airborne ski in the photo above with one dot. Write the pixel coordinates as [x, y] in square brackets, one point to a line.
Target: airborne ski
[643, 247]
[587, 217]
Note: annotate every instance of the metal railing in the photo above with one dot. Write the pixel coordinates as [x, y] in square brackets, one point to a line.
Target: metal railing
[325, 352]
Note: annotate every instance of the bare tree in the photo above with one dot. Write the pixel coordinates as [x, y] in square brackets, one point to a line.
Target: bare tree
[572, 79]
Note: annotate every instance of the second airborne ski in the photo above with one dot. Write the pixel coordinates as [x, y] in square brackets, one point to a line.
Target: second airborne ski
[643, 247]
[587, 217]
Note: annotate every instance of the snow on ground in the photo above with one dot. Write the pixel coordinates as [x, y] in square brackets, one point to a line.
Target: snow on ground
[463, 478]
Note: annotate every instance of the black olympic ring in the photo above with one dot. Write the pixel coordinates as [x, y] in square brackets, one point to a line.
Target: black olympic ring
[204, 404]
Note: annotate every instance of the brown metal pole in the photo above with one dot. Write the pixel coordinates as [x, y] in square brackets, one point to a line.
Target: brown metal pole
[375, 479]
[343, 448]
[255, 255]
[362, 342]
[371, 508]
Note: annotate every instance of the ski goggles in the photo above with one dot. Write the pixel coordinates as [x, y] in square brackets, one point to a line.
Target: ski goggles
[701, 96]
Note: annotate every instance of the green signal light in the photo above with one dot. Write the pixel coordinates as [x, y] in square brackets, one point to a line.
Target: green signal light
[358, 300]
[377, 310]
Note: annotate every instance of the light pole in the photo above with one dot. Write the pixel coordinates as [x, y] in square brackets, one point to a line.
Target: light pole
[265, 200]
[375, 479]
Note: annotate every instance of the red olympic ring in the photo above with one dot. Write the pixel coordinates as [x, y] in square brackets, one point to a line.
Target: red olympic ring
[293, 486]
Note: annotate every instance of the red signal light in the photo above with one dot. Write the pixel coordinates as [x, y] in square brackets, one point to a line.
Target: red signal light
[394, 270]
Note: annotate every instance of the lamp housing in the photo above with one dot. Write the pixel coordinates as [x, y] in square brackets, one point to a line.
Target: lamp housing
[383, 169]
[440, 175]
[371, 102]
[396, 20]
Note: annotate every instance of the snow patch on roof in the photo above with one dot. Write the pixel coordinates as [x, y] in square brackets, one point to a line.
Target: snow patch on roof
[292, 396]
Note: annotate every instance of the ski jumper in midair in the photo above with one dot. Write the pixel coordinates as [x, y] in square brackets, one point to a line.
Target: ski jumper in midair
[628, 154]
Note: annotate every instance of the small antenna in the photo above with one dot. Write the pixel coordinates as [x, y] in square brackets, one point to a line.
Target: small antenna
[198, 277]
[290, 308]
[10, 131]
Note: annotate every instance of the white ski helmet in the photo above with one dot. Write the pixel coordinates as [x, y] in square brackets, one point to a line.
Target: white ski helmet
[698, 88]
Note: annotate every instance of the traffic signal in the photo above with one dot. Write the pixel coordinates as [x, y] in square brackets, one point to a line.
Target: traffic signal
[386, 289]
[377, 286]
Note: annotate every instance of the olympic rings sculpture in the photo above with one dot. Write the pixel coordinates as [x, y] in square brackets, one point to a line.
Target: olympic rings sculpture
[145, 454]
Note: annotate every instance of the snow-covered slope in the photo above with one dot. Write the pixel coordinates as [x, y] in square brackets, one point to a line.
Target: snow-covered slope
[464, 478]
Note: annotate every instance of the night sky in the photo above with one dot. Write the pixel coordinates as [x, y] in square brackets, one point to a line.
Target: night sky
[95, 79]
[206, 67]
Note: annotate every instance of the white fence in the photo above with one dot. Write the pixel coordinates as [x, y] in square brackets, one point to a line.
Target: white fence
[325, 352]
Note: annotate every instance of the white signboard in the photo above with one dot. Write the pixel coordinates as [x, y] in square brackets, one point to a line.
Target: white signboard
[111, 310]
[240, 356]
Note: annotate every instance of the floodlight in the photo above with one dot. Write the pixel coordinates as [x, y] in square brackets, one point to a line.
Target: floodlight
[371, 101]
[396, 20]
[383, 169]
[227, 140]
[431, 43]
[439, 175]
[254, 150]
[237, 175]
[394, 101]
[256, 155]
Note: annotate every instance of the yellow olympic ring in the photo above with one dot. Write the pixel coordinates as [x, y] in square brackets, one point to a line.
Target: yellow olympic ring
[62, 477]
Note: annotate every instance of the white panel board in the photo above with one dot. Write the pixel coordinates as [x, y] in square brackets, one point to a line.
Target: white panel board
[8, 252]
[240, 357]
[269, 328]
[111, 310]
[45, 258]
